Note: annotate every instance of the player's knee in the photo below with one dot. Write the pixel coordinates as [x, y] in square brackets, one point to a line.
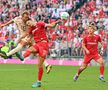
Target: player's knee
[41, 61]
[40, 64]
[32, 49]
[83, 67]
[43, 55]
[102, 62]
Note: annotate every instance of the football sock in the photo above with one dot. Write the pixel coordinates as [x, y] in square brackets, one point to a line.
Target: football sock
[40, 73]
[101, 70]
[19, 56]
[45, 63]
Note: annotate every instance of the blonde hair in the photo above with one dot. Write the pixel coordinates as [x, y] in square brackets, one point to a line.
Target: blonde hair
[25, 12]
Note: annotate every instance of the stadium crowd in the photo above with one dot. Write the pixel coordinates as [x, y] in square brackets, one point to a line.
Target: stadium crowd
[65, 40]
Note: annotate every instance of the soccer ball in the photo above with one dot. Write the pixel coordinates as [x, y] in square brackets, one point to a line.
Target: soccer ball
[64, 15]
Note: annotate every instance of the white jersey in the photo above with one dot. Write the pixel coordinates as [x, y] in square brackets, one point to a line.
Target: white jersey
[22, 27]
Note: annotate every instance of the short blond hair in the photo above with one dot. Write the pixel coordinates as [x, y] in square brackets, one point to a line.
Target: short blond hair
[25, 12]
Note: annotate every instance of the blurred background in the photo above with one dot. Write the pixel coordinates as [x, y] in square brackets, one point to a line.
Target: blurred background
[64, 40]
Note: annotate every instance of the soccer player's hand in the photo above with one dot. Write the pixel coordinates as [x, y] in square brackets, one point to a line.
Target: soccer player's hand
[58, 21]
[1, 26]
[87, 51]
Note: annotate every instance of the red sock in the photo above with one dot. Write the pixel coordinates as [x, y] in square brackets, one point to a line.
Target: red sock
[40, 73]
[26, 54]
[101, 70]
[79, 71]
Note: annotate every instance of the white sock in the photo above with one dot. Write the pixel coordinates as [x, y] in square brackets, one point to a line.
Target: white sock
[45, 63]
[13, 51]
[101, 75]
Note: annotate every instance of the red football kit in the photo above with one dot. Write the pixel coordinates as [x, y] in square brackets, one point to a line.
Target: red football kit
[40, 38]
[91, 43]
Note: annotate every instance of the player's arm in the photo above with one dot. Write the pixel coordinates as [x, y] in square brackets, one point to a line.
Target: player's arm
[102, 45]
[11, 21]
[102, 49]
[52, 25]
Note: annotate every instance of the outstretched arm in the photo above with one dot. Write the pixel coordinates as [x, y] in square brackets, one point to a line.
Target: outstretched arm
[52, 25]
[11, 21]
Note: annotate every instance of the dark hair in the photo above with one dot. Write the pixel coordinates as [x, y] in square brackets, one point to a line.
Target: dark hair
[46, 20]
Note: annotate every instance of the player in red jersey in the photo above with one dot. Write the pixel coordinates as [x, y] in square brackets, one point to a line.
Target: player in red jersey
[90, 46]
[41, 46]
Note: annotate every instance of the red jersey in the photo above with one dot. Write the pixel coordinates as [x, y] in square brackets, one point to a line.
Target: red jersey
[91, 43]
[39, 32]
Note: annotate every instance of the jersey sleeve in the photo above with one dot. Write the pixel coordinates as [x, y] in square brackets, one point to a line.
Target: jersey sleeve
[85, 40]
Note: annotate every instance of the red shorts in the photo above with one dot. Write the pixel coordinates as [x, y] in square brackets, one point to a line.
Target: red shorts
[42, 48]
[88, 58]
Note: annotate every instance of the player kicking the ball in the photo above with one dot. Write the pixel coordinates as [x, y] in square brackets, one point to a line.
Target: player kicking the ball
[22, 25]
[90, 46]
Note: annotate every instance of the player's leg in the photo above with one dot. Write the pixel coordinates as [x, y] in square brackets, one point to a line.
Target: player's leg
[22, 43]
[101, 63]
[82, 68]
[29, 51]
[13, 51]
[48, 67]
[84, 65]
[33, 50]
[42, 49]
[40, 72]
[19, 56]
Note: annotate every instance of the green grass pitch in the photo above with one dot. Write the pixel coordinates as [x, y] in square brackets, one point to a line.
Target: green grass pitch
[21, 77]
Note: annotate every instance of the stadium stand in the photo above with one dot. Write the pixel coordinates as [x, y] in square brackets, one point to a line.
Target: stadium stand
[65, 40]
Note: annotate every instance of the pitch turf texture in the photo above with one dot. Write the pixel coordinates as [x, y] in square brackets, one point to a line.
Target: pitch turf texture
[21, 77]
